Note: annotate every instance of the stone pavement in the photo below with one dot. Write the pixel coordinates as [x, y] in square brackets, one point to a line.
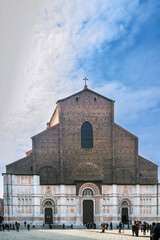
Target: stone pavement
[74, 234]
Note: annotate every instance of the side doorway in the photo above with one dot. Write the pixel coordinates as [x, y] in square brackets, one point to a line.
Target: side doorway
[125, 209]
[48, 212]
[48, 216]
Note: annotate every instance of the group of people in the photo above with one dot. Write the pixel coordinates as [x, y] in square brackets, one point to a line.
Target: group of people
[155, 231]
[91, 225]
[64, 227]
[106, 226]
[154, 228]
[120, 226]
[15, 226]
[136, 227]
[9, 227]
[28, 225]
[145, 227]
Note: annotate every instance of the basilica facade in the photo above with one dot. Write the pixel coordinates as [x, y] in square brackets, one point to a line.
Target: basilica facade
[83, 168]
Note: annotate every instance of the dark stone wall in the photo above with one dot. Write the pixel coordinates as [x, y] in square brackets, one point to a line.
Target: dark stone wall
[125, 155]
[81, 163]
[147, 171]
[24, 166]
[46, 155]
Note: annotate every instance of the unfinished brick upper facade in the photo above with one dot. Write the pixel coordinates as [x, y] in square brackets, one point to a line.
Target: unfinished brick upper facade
[58, 157]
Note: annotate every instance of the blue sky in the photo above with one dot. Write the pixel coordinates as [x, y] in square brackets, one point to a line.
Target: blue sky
[47, 48]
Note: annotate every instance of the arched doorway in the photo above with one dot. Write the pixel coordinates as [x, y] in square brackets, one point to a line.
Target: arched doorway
[88, 206]
[125, 212]
[124, 217]
[48, 212]
[89, 202]
[48, 216]
[88, 215]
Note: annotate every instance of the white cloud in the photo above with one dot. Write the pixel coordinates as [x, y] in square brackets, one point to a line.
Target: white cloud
[131, 104]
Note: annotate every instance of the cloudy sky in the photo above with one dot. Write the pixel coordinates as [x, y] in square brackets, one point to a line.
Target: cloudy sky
[48, 46]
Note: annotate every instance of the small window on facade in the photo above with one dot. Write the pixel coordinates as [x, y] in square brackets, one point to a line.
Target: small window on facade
[95, 99]
[86, 135]
[77, 99]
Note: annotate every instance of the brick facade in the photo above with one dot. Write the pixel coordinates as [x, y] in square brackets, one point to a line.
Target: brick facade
[58, 157]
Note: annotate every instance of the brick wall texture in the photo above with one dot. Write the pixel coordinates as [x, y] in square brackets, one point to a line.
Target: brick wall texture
[58, 157]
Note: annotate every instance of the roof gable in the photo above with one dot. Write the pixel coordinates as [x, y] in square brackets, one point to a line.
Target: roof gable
[85, 90]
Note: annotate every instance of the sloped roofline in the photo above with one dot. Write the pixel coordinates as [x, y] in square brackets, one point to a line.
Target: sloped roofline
[126, 130]
[139, 156]
[86, 89]
[21, 159]
[48, 129]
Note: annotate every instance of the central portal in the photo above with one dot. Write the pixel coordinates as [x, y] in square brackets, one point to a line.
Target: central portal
[48, 216]
[125, 215]
[88, 215]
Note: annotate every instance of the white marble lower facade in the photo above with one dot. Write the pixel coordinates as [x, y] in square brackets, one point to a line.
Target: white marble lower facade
[26, 200]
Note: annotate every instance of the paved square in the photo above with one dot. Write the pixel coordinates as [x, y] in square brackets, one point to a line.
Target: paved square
[74, 234]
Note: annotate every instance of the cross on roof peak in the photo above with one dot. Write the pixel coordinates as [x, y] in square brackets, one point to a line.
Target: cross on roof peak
[85, 79]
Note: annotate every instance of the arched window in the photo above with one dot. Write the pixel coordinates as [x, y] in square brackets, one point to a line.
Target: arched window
[86, 135]
[47, 203]
[124, 203]
[88, 192]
